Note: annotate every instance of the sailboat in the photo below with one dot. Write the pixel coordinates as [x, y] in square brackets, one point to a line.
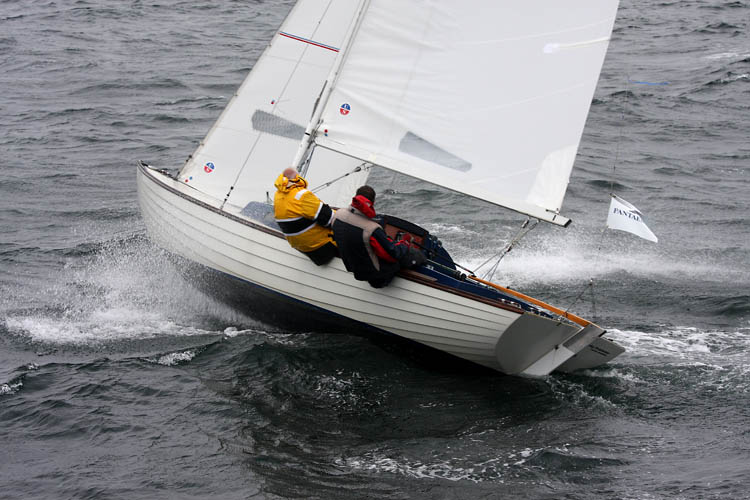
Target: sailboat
[484, 98]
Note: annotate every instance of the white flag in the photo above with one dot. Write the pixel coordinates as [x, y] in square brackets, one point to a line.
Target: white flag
[625, 217]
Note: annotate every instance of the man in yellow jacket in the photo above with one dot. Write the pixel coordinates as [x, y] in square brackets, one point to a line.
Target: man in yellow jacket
[304, 219]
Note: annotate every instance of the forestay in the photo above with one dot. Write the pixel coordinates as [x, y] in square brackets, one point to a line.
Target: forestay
[258, 133]
[483, 97]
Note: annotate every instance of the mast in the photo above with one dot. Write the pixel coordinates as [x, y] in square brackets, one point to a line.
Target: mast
[308, 142]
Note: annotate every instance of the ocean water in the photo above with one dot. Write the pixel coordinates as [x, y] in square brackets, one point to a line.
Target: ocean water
[120, 380]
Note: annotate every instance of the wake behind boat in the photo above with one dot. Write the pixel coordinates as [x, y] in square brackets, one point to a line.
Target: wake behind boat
[393, 94]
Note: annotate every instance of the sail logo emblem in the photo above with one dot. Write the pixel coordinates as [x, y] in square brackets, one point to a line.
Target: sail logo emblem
[345, 108]
[209, 167]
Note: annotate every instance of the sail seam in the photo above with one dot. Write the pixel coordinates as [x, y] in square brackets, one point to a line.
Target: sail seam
[307, 40]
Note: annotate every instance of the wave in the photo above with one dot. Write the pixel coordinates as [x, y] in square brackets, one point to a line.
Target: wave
[686, 344]
[12, 387]
[720, 27]
[725, 5]
[475, 468]
[72, 112]
[743, 57]
[737, 306]
[15, 384]
[728, 78]
[624, 94]
[167, 118]
[120, 290]
[174, 358]
[190, 100]
[546, 261]
[449, 470]
[154, 83]
[608, 184]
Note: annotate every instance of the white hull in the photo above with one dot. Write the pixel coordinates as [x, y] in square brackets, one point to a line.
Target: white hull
[188, 224]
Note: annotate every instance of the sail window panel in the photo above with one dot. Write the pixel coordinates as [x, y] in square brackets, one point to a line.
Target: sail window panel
[497, 93]
[276, 125]
[416, 146]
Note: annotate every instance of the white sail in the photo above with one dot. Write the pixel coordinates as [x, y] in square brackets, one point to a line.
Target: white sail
[258, 133]
[483, 97]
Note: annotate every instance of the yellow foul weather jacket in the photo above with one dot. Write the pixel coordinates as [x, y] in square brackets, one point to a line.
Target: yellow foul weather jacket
[304, 219]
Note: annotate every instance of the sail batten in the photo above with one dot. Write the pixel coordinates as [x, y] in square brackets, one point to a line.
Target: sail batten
[473, 94]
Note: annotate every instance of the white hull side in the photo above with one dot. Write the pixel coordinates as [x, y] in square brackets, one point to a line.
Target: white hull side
[177, 220]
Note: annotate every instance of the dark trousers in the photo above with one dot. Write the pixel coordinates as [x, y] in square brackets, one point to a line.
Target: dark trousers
[324, 254]
[388, 270]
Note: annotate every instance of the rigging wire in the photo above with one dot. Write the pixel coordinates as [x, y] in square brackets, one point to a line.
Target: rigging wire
[523, 231]
[362, 166]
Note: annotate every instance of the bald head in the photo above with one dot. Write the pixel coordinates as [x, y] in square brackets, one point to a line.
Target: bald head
[290, 173]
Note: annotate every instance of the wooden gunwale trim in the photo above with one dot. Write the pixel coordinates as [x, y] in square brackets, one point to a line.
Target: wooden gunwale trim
[565, 314]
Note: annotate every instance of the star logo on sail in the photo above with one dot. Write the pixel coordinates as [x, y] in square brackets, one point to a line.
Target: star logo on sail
[208, 167]
[345, 108]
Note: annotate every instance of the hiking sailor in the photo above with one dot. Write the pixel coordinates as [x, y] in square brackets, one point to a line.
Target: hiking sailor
[304, 219]
[364, 246]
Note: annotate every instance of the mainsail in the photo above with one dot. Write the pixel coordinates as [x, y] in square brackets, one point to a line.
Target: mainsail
[258, 133]
[482, 97]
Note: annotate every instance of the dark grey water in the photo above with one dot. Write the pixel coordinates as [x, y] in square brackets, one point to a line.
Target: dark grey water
[119, 380]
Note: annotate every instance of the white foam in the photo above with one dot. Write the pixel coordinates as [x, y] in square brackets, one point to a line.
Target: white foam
[719, 359]
[744, 76]
[576, 255]
[525, 453]
[340, 388]
[176, 358]
[93, 329]
[727, 55]
[576, 392]
[449, 230]
[461, 466]
[683, 342]
[610, 372]
[446, 469]
[123, 292]
[11, 388]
